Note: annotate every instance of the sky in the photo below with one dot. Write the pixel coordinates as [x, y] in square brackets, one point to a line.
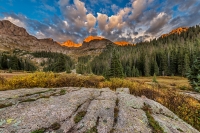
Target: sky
[118, 20]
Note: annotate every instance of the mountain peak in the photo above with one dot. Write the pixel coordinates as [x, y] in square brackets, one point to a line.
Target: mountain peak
[70, 43]
[176, 31]
[90, 38]
[121, 43]
[8, 28]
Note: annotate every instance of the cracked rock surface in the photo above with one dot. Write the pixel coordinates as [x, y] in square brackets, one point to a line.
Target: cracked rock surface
[83, 110]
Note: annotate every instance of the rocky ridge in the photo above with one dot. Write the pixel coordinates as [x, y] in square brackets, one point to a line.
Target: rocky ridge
[79, 110]
[14, 37]
[176, 31]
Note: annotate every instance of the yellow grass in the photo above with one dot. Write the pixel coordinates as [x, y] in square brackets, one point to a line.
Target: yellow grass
[164, 92]
[170, 82]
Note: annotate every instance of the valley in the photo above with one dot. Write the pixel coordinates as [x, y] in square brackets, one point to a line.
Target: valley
[150, 76]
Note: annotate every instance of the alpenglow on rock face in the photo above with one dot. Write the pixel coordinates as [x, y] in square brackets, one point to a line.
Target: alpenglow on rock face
[79, 110]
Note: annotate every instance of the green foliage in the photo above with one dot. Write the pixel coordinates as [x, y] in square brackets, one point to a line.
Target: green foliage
[10, 70]
[115, 67]
[62, 92]
[194, 75]
[57, 62]
[79, 116]
[166, 56]
[92, 130]
[154, 124]
[39, 131]
[154, 78]
[50, 79]
[13, 62]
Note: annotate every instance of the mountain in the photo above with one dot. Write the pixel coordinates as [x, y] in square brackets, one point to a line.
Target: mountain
[122, 43]
[90, 38]
[14, 37]
[176, 31]
[70, 43]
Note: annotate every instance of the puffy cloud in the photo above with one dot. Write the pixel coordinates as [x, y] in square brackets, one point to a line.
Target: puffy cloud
[138, 7]
[139, 20]
[158, 23]
[116, 21]
[76, 14]
[91, 21]
[102, 20]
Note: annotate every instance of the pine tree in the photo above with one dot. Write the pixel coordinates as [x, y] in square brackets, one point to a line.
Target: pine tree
[116, 70]
[194, 75]
[146, 66]
[156, 69]
[186, 64]
[60, 65]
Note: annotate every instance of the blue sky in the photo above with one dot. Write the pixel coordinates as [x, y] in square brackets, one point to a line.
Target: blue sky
[127, 20]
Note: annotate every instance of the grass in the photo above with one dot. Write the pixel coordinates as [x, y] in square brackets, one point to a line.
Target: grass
[62, 92]
[39, 131]
[50, 80]
[55, 126]
[152, 122]
[164, 92]
[92, 130]
[173, 82]
[5, 105]
[79, 116]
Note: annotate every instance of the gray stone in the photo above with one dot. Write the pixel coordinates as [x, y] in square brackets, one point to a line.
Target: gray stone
[105, 111]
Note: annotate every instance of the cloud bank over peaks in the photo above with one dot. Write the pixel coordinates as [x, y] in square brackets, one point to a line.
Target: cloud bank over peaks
[135, 21]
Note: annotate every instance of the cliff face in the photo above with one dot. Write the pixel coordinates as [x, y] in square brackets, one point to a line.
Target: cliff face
[14, 37]
[6, 27]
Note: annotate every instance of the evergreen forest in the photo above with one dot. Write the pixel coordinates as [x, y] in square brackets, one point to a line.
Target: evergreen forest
[169, 56]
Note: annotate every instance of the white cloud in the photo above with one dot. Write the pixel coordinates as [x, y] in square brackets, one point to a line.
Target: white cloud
[66, 24]
[116, 21]
[138, 7]
[91, 21]
[102, 20]
[158, 23]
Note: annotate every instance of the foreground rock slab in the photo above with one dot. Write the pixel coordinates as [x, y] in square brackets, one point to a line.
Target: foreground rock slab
[83, 110]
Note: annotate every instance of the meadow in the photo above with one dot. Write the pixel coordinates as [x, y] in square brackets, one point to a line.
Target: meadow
[165, 90]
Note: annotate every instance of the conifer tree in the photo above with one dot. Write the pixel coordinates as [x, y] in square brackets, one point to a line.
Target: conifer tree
[116, 70]
[156, 69]
[194, 75]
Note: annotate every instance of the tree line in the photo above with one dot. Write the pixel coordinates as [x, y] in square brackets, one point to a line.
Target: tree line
[171, 55]
[15, 63]
[57, 62]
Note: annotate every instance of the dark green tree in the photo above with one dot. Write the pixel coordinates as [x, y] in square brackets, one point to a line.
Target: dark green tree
[194, 75]
[116, 70]
[60, 65]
